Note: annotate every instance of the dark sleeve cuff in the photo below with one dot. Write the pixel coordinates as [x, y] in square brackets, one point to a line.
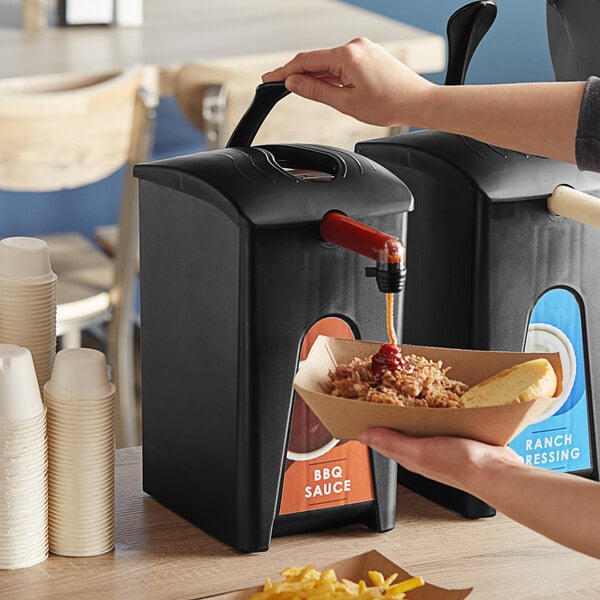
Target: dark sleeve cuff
[587, 143]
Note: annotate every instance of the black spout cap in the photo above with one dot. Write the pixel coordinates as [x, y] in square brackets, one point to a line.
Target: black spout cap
[391, 277]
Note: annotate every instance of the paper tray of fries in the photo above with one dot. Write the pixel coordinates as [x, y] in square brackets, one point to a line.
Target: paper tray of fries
[346, 418]
[355, 569]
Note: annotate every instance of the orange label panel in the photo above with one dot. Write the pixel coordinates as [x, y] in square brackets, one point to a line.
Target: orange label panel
[320, 470]
[341, 476]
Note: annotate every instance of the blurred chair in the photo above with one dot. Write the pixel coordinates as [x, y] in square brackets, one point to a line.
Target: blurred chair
[214, 97]
[68, 131]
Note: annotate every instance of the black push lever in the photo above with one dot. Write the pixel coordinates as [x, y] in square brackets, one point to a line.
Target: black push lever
[465, 29]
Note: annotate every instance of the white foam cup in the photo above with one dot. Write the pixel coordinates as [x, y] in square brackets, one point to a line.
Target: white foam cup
[19, 392]
[27, 259]
[79, 373]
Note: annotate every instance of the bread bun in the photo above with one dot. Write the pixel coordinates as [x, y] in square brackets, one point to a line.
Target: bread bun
[523, 382]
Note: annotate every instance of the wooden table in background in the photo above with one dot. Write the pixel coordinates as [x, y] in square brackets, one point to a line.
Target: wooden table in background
[176, 31]
[159, 555]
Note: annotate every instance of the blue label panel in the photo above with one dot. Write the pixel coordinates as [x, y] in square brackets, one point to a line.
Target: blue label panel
[561, 440]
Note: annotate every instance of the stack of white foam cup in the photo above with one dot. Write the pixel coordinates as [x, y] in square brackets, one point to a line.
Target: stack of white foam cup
[23, 462]
[80, 404]
[28, 301]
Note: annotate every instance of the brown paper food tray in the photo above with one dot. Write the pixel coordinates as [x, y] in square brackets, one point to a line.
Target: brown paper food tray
[356, 568]
[346, 418]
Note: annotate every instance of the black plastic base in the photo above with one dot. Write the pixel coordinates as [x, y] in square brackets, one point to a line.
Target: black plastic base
[296, 523]
[465, 504]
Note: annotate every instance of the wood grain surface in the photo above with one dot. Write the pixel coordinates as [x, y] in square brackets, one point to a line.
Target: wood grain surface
[159, 555]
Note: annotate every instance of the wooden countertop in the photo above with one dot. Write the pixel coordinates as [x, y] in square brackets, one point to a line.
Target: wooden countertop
[177, 31]
[159, 555]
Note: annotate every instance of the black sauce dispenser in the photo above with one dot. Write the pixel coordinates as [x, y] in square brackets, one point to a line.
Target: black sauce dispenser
[236, 274]
[492, 268]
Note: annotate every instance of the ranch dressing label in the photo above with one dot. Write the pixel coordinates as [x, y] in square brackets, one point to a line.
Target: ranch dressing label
[560, 440]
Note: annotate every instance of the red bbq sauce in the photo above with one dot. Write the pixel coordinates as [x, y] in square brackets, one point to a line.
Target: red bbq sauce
[389, 358]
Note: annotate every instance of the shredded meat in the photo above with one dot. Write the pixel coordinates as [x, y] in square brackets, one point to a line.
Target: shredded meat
[421, 382]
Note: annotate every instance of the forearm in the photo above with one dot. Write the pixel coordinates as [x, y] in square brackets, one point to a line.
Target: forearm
[537, 118]
[363, 80]
[562, 507]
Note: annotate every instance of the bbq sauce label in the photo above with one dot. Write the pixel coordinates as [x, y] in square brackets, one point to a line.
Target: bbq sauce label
[322, 471]
[339, 477]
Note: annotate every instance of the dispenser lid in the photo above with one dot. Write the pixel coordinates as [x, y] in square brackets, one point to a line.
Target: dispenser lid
[501, 175]
[273, 185]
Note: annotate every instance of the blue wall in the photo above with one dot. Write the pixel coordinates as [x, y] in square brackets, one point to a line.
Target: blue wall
[515, 49]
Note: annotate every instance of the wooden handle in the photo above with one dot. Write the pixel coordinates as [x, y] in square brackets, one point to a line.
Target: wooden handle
[579, 206]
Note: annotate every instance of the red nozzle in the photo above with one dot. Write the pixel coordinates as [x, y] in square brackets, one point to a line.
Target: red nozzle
[387, 250]
[343, 231]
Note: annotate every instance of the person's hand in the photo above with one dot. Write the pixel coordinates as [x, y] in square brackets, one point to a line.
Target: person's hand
[454, 461]
[360, 79]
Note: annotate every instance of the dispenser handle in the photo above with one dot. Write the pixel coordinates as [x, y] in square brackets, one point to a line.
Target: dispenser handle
[573, 204]
[265, 98]
[465, 29]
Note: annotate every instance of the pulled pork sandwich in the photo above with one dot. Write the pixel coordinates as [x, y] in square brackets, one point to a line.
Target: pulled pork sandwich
[389, 377]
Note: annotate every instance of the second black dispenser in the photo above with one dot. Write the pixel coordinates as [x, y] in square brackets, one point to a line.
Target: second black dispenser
[492, 268]
[236, 277]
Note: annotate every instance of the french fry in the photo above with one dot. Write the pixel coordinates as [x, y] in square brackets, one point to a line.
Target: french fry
[307, 583]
